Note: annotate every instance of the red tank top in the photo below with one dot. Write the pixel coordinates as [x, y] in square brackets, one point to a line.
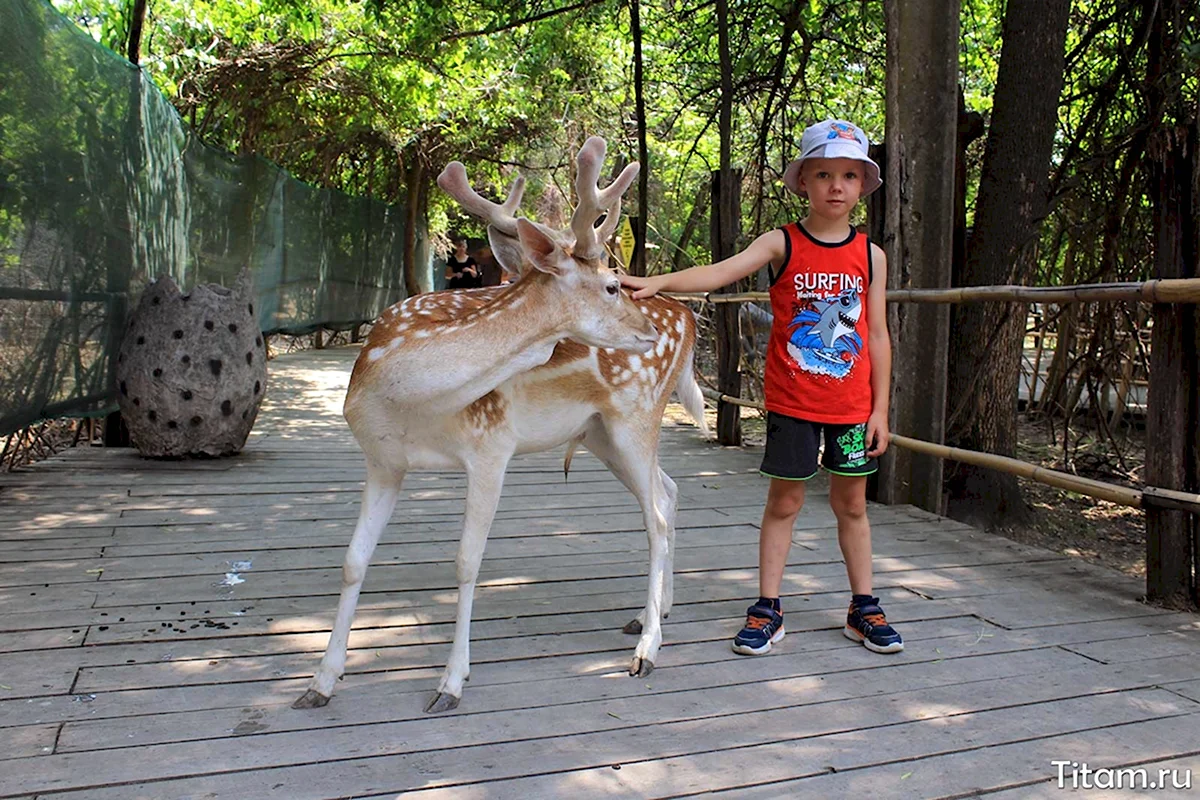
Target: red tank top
[818, 365]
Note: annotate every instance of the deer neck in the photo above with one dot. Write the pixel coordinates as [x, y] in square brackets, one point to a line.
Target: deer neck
[432, 363]
[516, 331]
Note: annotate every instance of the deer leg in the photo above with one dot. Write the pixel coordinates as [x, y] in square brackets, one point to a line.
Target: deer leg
[484, 483]
[378, 500]
[636, 466]
[668, 497]
[669, 504]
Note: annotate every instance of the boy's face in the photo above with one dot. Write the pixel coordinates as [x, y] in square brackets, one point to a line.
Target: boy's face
[834, 185]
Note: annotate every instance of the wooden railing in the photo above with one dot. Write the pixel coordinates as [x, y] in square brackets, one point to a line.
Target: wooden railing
[1150, 498]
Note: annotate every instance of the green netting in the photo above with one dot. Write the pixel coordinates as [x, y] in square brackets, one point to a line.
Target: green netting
[102, 188]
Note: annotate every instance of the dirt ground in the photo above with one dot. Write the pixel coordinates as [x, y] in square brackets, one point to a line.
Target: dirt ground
[1094, 530]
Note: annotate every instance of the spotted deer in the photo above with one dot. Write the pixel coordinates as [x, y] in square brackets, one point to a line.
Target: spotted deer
[465, 380]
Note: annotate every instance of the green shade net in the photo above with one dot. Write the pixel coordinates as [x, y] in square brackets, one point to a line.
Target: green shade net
[103, 188]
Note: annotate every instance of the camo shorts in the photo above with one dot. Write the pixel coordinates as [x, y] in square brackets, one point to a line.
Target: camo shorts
[793, 445]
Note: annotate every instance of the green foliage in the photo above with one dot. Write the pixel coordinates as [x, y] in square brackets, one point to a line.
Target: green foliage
[352, 94]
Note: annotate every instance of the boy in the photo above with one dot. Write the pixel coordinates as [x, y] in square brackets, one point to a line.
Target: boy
[828, 371]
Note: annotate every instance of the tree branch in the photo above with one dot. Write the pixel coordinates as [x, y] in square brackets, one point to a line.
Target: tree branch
[583, 4]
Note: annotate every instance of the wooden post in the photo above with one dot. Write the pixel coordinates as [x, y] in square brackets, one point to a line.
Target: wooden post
[725, 227]
[1173, 413]
[922, 121]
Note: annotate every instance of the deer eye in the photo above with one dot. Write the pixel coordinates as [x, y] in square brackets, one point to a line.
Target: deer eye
[612, 288]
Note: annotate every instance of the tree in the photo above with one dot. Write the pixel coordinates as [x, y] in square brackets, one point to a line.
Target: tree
[1012, 202]
[1173, 416]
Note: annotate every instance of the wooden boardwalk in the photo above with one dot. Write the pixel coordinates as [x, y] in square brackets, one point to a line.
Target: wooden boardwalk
[157, 618]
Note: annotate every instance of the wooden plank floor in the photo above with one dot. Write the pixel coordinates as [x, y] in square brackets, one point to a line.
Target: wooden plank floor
[157, 618]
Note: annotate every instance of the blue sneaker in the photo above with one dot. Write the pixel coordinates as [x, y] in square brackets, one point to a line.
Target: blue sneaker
[764, 627]
[867, 624]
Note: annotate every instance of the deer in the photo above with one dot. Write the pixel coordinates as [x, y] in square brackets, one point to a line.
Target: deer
[467, 379]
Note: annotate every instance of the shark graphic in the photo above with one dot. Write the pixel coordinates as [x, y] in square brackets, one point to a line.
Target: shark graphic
[823, 337]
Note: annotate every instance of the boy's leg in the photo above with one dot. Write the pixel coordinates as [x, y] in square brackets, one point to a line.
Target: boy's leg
[848, 499]
[865, 620]
[789, 460]
[784, 500]
[764, 619]
[847, 462]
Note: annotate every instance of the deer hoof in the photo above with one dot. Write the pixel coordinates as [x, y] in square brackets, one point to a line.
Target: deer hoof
[640, 667]
[634, 626]
[311, 699]
[441, 702]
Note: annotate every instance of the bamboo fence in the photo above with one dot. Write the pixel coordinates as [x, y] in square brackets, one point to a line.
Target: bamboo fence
[1183, 290]
[1166, 290]
[1148, 497]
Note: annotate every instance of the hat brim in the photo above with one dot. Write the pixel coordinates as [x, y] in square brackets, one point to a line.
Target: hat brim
[871, 179]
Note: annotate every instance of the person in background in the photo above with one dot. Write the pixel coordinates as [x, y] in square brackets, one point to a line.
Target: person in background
[462, 271]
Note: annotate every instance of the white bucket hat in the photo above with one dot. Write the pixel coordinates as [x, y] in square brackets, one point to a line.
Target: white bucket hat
[833, 138]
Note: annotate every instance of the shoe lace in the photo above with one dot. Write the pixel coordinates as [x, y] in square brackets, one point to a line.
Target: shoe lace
[878, 619]
[757, 623]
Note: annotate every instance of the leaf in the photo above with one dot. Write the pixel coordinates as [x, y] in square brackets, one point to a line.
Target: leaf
[905, 776]
[614, 716]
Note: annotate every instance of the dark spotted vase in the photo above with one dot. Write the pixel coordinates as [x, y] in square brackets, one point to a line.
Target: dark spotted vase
[192, 370]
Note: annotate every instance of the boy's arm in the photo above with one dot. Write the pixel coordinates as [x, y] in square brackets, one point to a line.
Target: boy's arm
[880, 344]
[770, 247]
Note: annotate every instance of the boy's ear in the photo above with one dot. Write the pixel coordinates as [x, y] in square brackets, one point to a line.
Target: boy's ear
[540, 247]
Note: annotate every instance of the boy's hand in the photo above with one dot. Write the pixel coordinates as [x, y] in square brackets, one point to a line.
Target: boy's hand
[645, 287]
[878, 435]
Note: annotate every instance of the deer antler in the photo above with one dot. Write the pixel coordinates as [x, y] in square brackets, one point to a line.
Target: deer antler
[589, 242]
[453, 181]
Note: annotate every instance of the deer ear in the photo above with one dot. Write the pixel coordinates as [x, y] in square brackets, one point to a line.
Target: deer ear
[506, 250]
[543, 251]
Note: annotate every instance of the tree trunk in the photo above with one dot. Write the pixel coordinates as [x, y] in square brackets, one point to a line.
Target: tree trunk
[689, 228]
[988, 337]
[726, 193]
[1173, 415]
[970, 127]
[119, 242]
[922, 114]
[726, 218]
[1171, 423]
[638, 267]
[134, 51]
[413, 177]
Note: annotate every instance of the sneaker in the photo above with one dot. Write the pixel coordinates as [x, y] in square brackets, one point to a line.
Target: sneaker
[867, 624]
[764, 627]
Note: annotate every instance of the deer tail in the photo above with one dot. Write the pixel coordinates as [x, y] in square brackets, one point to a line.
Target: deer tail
[572, 446]
[688, 392]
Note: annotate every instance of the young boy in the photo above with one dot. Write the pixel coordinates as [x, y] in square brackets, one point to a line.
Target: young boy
[828, 370]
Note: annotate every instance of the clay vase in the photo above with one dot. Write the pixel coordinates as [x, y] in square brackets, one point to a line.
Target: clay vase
[192, 370]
